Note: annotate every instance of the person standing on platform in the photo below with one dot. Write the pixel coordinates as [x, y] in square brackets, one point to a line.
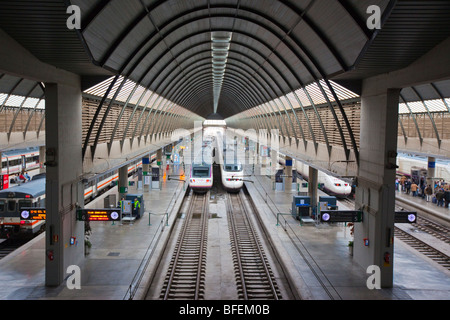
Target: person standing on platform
[440, 197]
[136, 208]
[414, 188]
[407, 186]
[447, 197]
[428, 192]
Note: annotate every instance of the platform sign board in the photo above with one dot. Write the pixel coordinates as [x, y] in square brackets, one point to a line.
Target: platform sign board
[341, 216]
[405, 217]
[98, 215]
[33, 214]
[4, 182]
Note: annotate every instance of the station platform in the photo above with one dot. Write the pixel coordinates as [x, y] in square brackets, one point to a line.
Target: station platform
[419, 203]
[316, 257]
[116, 257]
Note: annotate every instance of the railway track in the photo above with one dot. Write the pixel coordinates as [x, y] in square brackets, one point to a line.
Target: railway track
[423, 248]
[254, 276]
[9, 246]
[425, 225]
[186, 274]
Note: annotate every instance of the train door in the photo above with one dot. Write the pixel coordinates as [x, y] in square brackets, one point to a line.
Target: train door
[23, 162]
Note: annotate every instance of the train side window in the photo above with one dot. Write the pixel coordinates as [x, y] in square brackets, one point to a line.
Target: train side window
[2, 206]
[12, 206]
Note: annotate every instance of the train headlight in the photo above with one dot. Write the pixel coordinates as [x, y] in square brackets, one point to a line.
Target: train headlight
[325, 217]
[411, 218]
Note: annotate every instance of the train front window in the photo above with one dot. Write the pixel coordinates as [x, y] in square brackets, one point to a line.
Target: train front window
[200, 172]
[25, 204]
[2, 206]
[12, 206]
[233, 167]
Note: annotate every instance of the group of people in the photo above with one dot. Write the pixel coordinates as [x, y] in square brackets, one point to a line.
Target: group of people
[438, 193]
[135, 206]
[21, 178]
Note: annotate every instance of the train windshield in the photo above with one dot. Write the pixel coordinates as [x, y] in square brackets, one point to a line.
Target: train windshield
[200, 172]
[232, 167]
[24, 204]
[2, 206]
[12, 206]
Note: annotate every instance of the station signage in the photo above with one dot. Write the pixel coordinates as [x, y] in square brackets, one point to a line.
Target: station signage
[405, 217]
[340, 216]
[33, 214]
[98, 215]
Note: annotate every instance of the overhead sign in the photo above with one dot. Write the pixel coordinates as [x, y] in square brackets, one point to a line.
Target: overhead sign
[99, 215]
[405, 217]
[340, 216]
[33, 214]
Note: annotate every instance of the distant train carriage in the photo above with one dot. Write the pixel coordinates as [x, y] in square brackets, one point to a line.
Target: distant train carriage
[13, 162]
[329, 184]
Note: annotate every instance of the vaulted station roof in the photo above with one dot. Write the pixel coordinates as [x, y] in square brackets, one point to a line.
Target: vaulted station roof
[227, 56]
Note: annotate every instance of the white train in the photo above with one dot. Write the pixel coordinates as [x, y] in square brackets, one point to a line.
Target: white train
[231, 169]
[13, 162]
[201, 177]
[329, 184]
[94, 188]
[201, 174]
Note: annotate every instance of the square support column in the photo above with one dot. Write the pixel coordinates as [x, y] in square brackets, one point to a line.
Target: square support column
[64, 189]
[375, 193]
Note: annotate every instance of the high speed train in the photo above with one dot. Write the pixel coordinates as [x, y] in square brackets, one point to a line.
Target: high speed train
[232, 171]
[329, 184]
[32, 194]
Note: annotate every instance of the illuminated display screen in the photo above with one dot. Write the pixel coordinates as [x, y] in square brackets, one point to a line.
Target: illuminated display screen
[341, 216]
[405, 217]
[33, 214]
[99, 215]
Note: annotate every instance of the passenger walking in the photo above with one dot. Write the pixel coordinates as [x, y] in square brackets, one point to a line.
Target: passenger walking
[428, 192]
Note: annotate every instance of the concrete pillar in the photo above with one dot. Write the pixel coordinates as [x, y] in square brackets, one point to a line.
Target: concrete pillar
[313, 185]
[431, 174]
[288, 173]
[159, 156]
[123, 182]
[375, 193]
[274, 162]
[64, 189]
[41, 159]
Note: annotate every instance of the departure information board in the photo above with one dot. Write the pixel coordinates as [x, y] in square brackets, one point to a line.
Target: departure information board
[99, 215]
[340, 216]
[405, 217]
[33, 214]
